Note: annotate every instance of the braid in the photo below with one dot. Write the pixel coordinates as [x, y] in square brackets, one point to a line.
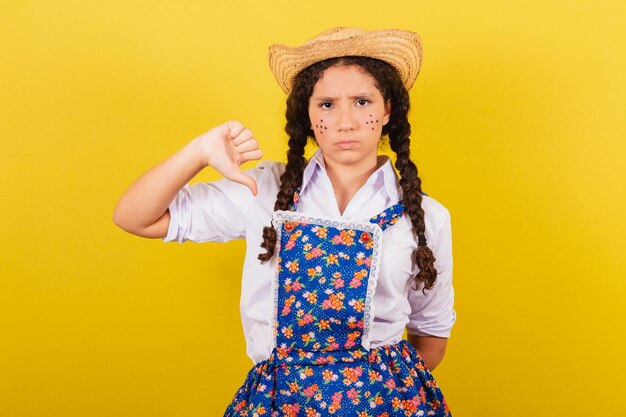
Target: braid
[412, 196]
[289, 181]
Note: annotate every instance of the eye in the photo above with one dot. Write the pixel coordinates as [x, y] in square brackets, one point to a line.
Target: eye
[363, 100]
[322, 105]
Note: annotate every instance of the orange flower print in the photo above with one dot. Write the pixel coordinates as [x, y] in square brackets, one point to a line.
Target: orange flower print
[313, 272]
[410, 407]
[310, 296]
[374, 376]
[290, 410]
[329, 376]
[395, 402]
[261, 410]
[357, 354]
[351, 375]
[362, 260]
[345, 237]
[334, 302]
[321, 232]
[331, 259]
[353, 323]
[323, 325]
[293, 386]
[354, 335]
[307, 372]
[357, 279]
[287, 332]
[293, 266]
[357, 305]
[376, 401]
[308, 338]
[311, 412]
[292, 238]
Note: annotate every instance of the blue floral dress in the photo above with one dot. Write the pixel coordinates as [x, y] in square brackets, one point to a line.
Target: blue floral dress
[321, 362]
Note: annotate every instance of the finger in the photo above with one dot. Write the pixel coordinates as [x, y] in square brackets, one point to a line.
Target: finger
[249, 145]
[234, 128]
[246, 180]
[249, 156]
[243, 136]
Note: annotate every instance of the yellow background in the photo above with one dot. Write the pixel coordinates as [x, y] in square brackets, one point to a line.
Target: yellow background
[518, 122]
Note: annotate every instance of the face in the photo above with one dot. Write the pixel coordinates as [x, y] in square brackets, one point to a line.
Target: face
[347, 114]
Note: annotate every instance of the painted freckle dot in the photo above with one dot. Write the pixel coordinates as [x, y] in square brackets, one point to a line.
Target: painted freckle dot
[372, 128]
[376, 120]
[325, 127]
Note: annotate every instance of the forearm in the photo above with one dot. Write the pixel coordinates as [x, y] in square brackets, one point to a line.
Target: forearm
[432, 349]
[147, 199]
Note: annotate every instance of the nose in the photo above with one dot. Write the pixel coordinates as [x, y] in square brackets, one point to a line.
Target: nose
[346, 119]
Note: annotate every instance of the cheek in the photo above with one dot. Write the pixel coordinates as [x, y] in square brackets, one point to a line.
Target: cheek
[372, 121]
[321, 127]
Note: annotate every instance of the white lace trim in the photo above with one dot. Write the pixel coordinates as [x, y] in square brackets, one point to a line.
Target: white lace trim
[280, 216]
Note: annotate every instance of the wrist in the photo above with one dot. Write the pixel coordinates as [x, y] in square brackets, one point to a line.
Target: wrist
[198, 153]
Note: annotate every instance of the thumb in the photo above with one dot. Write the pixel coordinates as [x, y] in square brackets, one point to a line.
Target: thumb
[246, 180]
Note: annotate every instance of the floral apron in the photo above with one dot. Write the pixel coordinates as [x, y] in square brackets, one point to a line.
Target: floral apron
[321, 362]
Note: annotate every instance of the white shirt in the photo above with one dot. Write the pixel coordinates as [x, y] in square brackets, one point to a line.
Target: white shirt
[219, 211]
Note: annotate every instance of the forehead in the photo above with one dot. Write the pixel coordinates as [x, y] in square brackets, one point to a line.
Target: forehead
[345, 78]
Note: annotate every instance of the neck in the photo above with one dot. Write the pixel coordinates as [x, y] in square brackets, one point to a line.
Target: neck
[346, 177]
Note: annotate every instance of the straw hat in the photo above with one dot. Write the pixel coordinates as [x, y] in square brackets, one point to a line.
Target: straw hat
[400, 48]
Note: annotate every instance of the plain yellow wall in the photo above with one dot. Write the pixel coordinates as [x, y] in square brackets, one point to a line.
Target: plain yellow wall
[519, 125]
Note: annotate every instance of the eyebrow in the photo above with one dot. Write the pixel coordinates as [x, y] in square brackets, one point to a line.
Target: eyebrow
[352, 97]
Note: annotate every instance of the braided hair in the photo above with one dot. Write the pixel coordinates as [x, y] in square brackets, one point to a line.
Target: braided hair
[398, 131]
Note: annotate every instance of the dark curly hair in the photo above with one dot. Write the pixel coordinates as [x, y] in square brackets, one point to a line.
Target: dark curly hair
[398, 131]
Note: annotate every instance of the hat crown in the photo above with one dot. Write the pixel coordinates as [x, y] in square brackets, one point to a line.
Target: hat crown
[337, 33]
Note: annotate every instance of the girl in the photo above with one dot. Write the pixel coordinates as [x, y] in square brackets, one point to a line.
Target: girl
[342, 255]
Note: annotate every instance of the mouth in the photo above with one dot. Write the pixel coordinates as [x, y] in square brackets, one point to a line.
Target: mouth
[347, 144]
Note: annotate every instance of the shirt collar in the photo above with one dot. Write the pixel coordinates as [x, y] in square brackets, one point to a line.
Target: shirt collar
[384, 173]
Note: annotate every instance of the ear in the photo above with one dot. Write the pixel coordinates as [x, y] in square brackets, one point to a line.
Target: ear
[387, 114]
